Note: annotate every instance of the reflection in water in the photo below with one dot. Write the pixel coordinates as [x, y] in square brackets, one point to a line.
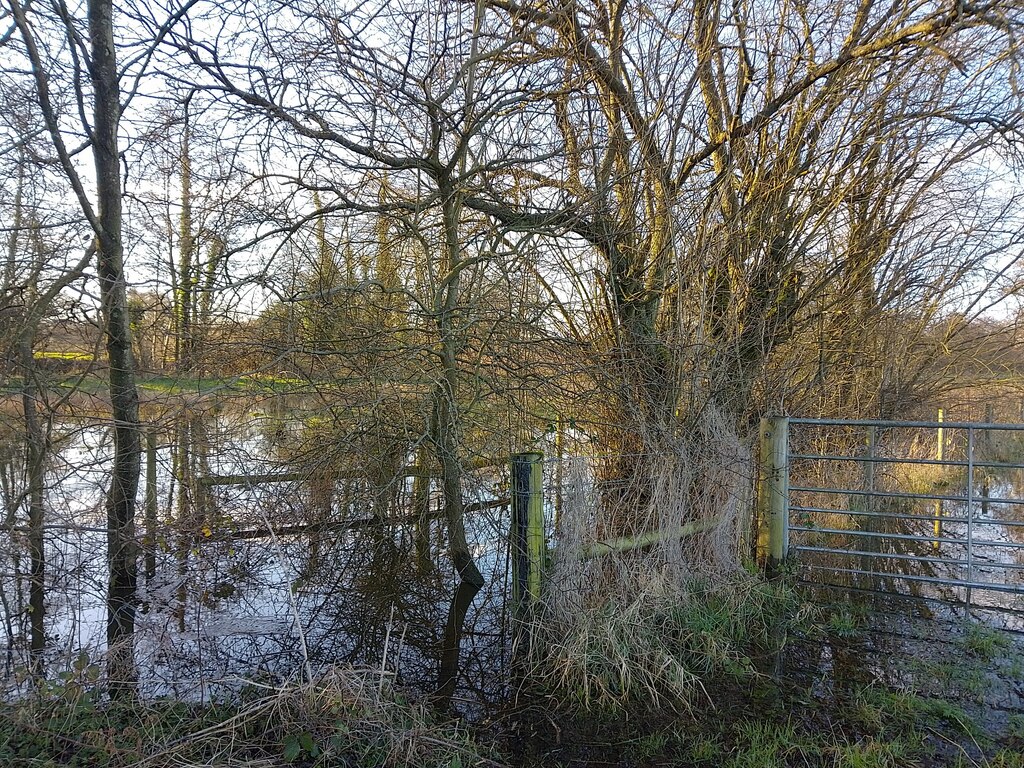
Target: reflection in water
[229, 599]
[12, 496]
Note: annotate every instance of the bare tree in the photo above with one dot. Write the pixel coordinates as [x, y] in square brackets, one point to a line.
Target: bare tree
[705, 176]
[95, 46]
[36, 270]
[396, 137]
[718, 155]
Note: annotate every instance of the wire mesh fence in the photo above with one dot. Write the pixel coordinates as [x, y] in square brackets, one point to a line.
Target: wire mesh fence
[254, 565]
[260, 561]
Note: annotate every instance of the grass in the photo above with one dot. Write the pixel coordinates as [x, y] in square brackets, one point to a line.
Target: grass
[843, 624]
[870, 753]
[1016, 728]
[1007, 758]
[882, 710]
[354, 717]
[873, 708]
[649, 745]
[85, 357]
[736, 717]
[657, 651]
[762, 744]
[873, 727]
[252, 383]
[347, 717]
[801, 734]
[1013, 667]
[983, 642]
[964, 679]
[704, 748]
[678, 684]
[169, 384]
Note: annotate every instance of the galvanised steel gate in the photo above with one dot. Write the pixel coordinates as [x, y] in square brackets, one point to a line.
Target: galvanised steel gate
[929, 508]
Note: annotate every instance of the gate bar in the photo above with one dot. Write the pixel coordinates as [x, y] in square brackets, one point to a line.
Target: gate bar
[891, 494]
[888, 515]
[902, 424]
[982, 585]
[894, 555]
[893, 460]
[905, 536]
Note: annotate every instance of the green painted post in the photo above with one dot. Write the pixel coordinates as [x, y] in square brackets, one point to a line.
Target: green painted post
[527, 526]
[776, 478]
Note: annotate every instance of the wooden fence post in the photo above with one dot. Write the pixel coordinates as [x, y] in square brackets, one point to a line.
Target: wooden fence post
[527, 526]
[773, 494]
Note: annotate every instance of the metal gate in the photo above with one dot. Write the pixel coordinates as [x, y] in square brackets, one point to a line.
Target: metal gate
[934, 509]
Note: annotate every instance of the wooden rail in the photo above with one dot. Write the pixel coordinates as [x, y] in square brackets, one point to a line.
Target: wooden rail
[628, 543]
[351, 525]
[289, 530]
[298, 477]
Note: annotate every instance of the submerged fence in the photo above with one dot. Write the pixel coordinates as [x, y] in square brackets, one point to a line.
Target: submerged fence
[930, 508]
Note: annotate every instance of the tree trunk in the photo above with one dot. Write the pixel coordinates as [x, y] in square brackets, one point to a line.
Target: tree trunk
[35, 438]
[445, 437]
[184, 299]
[446, 412]
[124, 397]
[35, 457]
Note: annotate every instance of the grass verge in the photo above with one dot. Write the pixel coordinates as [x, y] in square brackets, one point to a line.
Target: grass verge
[346, 717]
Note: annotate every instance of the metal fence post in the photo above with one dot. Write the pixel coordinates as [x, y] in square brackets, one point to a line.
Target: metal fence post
[940, 455]
[149, 540]
[527, 526]
[775, 486]
[970, 515]
[870, 522]
[984, 444]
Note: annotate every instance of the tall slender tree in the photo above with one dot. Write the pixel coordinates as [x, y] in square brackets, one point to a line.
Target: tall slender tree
[103, 212]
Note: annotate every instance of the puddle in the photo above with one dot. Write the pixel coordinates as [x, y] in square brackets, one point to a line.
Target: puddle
[906, 645]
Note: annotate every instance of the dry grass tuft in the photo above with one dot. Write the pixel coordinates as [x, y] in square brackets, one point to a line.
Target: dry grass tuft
[660, 649]
[645, 602]
[346, 714]
[683, 506]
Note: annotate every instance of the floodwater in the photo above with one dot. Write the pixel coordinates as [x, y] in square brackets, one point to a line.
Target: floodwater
[937, 613]
[221, 609]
